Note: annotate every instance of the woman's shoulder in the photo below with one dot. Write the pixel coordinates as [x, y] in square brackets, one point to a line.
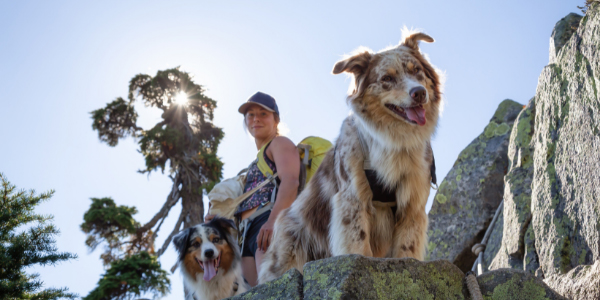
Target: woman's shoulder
[281, 145]
[282, 141]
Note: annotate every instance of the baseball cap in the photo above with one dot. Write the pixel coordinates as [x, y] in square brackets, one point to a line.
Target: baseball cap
[265, 101]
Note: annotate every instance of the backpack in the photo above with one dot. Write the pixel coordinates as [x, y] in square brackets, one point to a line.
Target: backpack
[312, 150]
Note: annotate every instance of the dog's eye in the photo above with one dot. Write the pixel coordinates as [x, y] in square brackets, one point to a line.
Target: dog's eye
[387, 78]
[417, 70]
[196, 244]
[216, 240]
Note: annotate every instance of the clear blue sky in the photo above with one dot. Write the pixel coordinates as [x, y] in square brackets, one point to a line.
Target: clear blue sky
[61, 60]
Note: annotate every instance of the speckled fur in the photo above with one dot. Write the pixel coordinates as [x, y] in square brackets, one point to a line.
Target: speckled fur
[230, 269]
[335, 213]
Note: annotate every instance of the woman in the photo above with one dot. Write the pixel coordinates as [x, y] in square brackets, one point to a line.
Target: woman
[261, 117]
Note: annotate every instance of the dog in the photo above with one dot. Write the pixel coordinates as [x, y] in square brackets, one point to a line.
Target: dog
[210, 260]
[395, 101]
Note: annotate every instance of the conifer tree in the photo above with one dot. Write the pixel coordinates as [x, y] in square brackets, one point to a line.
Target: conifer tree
[25, 248]
[185, 143]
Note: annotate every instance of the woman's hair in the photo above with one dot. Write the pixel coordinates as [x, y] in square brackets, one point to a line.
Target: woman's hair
[275, 116]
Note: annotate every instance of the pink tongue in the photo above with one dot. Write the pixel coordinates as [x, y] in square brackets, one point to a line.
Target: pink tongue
[209, 270]
[416, 114]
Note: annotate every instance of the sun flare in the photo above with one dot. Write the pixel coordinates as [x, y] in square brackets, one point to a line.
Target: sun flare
[181, 98]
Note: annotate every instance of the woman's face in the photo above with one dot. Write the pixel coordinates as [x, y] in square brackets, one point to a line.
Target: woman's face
[260, 122]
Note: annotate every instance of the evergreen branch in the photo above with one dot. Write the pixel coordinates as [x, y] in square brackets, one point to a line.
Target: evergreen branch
[172, 199]
[173, 233]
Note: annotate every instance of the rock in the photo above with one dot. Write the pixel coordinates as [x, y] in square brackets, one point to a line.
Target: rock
[511, 244]
[562, 33]
[566, 180]
[583, 282]
[359, 277]
[469, 195]
[288, 286]
[509, 284]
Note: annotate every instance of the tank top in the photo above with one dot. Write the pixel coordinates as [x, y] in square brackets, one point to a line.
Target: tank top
[253, 178]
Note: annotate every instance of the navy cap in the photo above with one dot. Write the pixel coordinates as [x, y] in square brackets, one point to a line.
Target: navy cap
[265, 101]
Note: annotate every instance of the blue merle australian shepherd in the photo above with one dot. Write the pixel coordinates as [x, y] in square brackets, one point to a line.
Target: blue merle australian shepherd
[210, 260]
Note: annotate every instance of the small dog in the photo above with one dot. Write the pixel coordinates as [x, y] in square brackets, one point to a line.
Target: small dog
[210, 260]
[368, 196]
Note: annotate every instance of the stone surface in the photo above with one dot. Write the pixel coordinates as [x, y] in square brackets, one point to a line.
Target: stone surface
[358, 277]
[288, 286]
[562, 33]
[583, 282]
[509, 284]
[469, 195]
[511, 244]
[566, 181]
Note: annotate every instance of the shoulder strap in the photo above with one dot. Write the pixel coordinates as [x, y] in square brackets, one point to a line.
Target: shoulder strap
[261, 162]
[252, 191]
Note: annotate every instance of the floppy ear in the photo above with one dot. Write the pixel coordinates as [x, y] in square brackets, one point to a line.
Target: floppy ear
[356, 64]
[226, 224]
[180, 241]
[412, 41]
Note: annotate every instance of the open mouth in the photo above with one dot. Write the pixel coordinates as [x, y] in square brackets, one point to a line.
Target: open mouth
[413, 114]
[210, 267]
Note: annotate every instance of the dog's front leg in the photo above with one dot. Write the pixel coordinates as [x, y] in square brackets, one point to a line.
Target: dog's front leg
[349, 232]
[410, 231]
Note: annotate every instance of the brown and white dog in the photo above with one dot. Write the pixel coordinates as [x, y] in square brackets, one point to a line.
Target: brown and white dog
[210, 260]
[395, 100]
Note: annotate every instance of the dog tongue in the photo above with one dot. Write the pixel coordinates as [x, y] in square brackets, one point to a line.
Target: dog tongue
[209, 270]
[416, 114]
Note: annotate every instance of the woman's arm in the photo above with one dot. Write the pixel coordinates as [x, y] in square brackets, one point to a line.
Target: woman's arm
[285, 155]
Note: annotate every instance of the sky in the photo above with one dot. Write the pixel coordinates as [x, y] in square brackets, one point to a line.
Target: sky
[60, 60]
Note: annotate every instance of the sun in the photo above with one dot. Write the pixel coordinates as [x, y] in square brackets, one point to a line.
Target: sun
[181, 98]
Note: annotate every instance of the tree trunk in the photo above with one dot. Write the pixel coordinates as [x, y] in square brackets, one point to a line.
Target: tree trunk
[191, 201]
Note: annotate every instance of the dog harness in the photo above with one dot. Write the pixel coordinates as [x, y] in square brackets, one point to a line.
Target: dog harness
[382, 194]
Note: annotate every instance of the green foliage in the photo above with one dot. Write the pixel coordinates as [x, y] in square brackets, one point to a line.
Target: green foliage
[115, 121]
[105, 221]
[132, 276]
[35, 245]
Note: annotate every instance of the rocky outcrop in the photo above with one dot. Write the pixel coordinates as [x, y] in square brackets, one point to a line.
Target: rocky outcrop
[566, 180]
[562, 32]
[469, 195]
[551, 216]
[288, 286]
[582, 282]
[514, 285]
[359, 277]
[511, 243]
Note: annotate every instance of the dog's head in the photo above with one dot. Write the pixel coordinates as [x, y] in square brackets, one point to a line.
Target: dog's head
[207, 248]
[396, 93]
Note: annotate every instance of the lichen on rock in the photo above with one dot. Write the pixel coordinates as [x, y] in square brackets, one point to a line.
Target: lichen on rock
[469, 195]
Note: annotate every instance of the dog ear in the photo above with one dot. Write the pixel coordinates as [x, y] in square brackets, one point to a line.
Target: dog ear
[180, 241]
[226, 224]
[356, 64]
[412, 41]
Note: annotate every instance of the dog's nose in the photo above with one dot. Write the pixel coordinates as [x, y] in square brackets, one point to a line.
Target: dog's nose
[209, 253]
[418, 94]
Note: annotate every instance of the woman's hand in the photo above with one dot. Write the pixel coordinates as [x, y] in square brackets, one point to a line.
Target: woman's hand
[263, 240]
[208, 217]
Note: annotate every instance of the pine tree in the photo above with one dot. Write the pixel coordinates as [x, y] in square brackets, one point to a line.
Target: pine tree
[187, 140]
[24, 248]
